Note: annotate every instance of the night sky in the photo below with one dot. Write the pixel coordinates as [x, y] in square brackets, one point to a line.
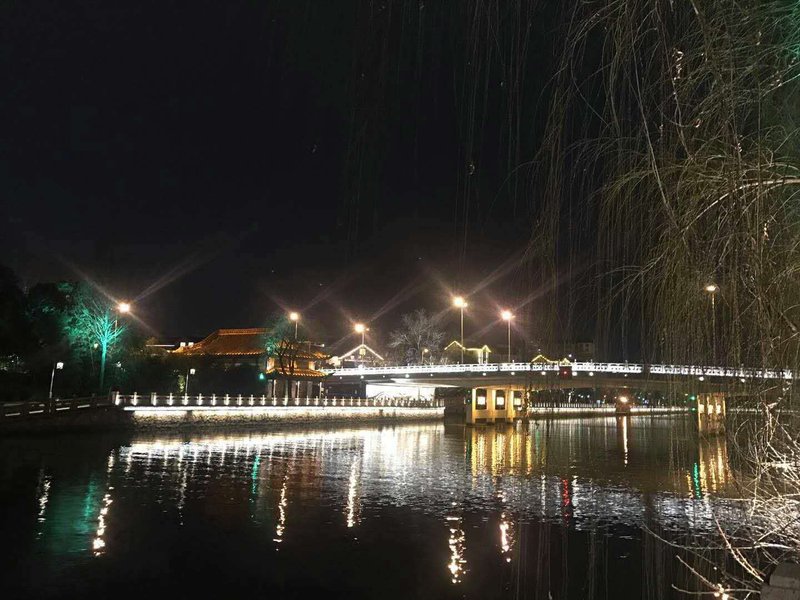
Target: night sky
[215, 162]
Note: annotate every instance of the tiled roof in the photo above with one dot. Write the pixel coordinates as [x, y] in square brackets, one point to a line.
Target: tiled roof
[241, 342]
[229, 342]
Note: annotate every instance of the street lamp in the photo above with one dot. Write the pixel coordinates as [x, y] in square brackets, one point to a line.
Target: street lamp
[424, 352]
[461, 304]
[57, 366]
[712, 289]
[507, 316]
[186, 387]
[293, 316]
[123, 308]
[362, 329]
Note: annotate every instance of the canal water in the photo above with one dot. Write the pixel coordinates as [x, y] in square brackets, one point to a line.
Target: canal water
[567, 508]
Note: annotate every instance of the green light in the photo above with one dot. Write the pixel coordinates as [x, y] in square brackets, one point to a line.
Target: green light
[696, 480]
[261, 376]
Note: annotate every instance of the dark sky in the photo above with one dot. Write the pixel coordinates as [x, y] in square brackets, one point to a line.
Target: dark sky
[215, 161]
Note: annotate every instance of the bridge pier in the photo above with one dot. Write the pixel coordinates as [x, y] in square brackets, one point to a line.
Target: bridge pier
[495, 404]
[711, 413]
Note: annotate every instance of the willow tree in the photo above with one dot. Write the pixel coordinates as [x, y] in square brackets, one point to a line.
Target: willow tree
[689, 171]
[673, 132]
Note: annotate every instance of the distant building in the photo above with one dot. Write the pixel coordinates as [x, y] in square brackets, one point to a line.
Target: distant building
[360, 356]
[452, 353]
[289, 372]
[572, 351]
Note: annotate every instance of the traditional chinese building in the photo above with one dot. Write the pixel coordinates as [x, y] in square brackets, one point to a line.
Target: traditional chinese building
[290, 369]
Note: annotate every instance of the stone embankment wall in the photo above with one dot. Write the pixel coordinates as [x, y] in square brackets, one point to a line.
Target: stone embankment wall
[114, 418]
[290, 415]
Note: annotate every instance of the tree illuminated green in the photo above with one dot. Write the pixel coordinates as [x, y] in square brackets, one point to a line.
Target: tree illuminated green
[92, 323]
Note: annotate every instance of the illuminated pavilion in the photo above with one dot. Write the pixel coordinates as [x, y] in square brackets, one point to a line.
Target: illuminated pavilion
[294, 374]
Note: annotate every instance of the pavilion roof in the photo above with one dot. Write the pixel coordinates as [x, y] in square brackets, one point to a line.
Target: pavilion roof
[242, 342]
[229, 342]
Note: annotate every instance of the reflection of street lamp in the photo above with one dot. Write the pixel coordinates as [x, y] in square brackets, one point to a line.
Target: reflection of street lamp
[57, 366]
[362, 329]
[293, 316]
[712, 289]
[507, 316]
[461, 304]
[186, 387]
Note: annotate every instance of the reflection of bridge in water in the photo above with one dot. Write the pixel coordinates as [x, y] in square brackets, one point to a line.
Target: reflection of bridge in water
[582, 475]
[598, 469]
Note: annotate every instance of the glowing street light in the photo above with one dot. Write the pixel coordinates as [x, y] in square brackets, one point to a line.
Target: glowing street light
[461, 304]
[507, 317]
[293, 316]
[123, 308]
[362, 329]
[424, 352]
[712, 289]
[56, 367]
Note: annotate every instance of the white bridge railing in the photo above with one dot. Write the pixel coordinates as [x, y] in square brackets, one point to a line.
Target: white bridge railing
[223, 401]
[589, 368]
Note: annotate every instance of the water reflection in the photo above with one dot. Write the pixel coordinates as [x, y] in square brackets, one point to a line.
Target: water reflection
[43, 496]
[486, 484]
[456, 542]
[281, 526]
[352, 493]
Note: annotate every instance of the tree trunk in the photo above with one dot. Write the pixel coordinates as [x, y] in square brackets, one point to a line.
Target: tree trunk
[103, 353]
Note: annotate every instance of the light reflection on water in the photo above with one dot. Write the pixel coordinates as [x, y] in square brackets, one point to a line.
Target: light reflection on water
[485, 486]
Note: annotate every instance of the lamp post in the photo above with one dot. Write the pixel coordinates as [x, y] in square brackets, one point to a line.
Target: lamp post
[507, 316]
[461, 304]
[424, 352]
[712, 289]
[186, 387]
[293, 316]
[56, 367]
[362, 329]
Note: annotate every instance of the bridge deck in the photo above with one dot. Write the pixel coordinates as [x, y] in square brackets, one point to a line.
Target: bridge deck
[590, 368]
